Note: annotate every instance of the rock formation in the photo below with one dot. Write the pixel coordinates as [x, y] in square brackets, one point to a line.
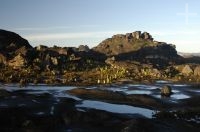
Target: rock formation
[10, 42]
[120, 43]
[41, 47]
[146, 36]
[197, 71]
[14, 50]
[18, 62]
[137, 46]
[136, 34]
[166, 90]
[187, 70]
[83, 48]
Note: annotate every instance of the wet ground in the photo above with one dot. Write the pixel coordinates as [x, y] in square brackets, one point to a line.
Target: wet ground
[124, 107]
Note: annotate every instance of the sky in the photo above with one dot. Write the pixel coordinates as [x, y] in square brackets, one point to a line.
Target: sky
[88, 22]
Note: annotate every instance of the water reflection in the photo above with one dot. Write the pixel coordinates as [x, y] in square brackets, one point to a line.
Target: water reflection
[138, 92]
[115, 108]
[179, 96]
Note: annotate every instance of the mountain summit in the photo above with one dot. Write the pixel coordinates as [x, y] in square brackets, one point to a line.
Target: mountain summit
[125, 43]
[136, 45]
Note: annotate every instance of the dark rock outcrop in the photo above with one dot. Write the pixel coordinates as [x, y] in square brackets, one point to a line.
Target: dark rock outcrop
[10, 42]
[121, 43]
[140, 47]
[131, 42]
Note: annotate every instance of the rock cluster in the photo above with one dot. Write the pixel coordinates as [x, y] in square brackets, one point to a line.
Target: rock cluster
[83, 48]
[138, 46]
[135, 35]
[41, 47]
[197, 71]
[18, 62]
[187, 70]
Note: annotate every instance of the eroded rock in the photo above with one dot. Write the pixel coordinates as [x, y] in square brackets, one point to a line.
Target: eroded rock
[187, 70]
[166, 90]
[18, 62]
[197, 71]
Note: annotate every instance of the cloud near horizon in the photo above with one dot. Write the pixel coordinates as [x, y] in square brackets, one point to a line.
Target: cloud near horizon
[54, 36]
[53, 28]
[75, 35]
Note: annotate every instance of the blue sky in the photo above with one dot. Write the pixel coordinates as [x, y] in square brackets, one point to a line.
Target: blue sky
[88, 22]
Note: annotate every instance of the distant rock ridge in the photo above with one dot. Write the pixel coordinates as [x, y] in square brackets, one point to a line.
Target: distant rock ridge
[124, 43]
[135, 35]
[136, 45]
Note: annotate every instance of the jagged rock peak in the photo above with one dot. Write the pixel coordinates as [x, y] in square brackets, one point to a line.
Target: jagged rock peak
[135, 35]
[124, 43]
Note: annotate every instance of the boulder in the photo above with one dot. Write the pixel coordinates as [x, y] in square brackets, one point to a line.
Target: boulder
[54, 60]
[129, 36]
[41, 48]
[18, 62]
[136, 34]
[187, 70]
[83, 48]
[23, 50]
[146, 35]
[197, 71]
[166, 90]
[110, 60]
[63, 51]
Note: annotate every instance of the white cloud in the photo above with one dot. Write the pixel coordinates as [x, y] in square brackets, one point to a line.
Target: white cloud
[42, 29]
[53, 28]
[54, 36]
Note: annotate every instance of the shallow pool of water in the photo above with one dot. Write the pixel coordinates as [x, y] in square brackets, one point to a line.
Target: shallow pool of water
[137, 92]
[39, 88]
[115, 108]
[143, 86]
[174, 96]
[180, 96]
